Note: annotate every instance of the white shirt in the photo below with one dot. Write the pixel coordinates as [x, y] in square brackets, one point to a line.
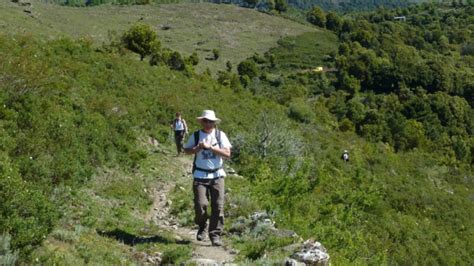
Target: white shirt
[206, 159]
[178, 125]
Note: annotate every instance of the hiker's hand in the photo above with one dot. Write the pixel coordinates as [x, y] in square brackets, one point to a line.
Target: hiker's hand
[205, 145]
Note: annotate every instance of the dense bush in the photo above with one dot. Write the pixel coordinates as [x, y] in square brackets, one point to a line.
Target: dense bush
[8, 257]
[300, 111]
[25, 213]
[247, 68]
[467, 49]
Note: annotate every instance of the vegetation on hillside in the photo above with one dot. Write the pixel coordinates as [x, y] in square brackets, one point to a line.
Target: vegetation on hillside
[411, 96]
[264, 5]
[384, 82]
[75, 117]
[69, 109]
[186, 28]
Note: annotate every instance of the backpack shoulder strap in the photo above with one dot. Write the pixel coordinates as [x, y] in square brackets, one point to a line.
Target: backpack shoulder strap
[218, 137]
[196, 142]
[196, 138]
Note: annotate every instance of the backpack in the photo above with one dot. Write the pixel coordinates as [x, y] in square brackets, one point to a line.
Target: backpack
[196, 142]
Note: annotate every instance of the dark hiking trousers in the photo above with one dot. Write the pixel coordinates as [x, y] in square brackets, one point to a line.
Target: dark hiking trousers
[178, 138]
[203, 189]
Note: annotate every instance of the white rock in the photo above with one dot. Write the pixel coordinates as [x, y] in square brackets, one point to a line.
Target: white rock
[313, 253]
[204, 262]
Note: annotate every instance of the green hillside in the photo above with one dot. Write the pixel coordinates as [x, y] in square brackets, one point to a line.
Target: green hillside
[341, 5]
[236, 32]
[79, 170]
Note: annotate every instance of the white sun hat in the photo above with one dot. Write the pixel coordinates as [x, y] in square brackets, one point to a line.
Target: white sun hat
[209, 115]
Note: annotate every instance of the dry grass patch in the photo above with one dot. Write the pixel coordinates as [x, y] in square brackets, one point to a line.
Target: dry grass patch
[236, 32]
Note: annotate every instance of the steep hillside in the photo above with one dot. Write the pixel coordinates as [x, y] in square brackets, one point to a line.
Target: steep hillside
[236, 32]
[88, 176]
[342, 5]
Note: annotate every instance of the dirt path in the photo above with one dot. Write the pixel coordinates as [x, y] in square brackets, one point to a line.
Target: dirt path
[203, 252]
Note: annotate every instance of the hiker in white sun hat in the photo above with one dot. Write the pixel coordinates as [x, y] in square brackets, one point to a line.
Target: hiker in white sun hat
[209, 115]
[209, 146]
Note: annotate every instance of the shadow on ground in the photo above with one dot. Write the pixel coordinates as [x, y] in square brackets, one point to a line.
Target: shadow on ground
[131, 240]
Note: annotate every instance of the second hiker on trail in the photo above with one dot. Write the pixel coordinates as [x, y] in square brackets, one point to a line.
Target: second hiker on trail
[210, 147]
[180, 129]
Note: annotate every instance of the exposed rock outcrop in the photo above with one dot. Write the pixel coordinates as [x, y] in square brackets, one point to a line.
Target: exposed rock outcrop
[312, 253]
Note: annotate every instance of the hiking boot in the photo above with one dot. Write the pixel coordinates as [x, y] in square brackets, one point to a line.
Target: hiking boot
[216, 242]
[201, 233]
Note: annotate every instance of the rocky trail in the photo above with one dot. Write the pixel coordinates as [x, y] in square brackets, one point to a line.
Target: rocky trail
[203, 252]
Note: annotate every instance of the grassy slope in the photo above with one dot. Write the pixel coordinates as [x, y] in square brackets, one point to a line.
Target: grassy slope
[110, 207]
[236, 32]
[378, 220]
[101, 218]
[305, 51]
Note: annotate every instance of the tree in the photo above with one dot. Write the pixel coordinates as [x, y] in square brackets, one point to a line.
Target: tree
[333, 22]
[316, 17]
[141, 39]
[281, 6]
[247, 68]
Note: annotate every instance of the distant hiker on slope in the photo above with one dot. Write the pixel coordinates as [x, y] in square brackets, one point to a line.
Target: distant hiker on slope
[345, 156]
[180, 129]
[210, 147]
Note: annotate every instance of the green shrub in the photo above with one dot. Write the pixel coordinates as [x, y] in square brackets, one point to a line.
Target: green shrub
[300, 111]
[25, 213]
[346, 125]
[247, 68]
[8, 257]
[269, 138]
[467, 49]
[176, 62]
[193, 59]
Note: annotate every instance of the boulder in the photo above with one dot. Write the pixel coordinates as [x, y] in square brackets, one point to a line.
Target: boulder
[204, 262]
[312, 253]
